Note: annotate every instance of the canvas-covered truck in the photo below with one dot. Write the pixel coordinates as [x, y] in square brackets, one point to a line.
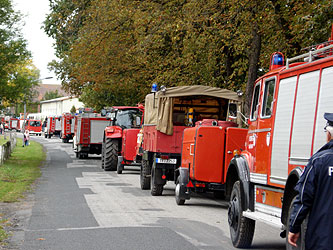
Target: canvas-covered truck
[285, 129]
[67, 127]
[120, 138]
[168, 113]
[203, 166]
[88, 136]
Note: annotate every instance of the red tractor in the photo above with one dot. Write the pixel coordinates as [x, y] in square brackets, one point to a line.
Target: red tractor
[120, 138]
[168, 113]
[67, 127]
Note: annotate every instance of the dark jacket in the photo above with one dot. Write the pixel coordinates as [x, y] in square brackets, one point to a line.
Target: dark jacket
[315, 196]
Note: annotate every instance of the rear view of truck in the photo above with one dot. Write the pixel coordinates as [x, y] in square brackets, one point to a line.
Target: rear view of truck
[67, 127]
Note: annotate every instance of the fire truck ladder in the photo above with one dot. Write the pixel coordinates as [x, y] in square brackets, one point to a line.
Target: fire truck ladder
[310, 56]
[68, 127]
[85, 131]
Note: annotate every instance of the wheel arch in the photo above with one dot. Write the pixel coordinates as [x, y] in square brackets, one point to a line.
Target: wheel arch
[289, 192]
[238, 170]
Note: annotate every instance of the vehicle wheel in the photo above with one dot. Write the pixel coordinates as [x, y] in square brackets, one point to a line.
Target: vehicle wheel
[179, 201]
[81, 155]
[49, 136]
[156, 189]
[219, 195]
[77, 155]
[111, 154]
[45, 135]
[145, 173]
[63, 140]
[85, 155]
[102, 155]
[241, 228]
[301, 240]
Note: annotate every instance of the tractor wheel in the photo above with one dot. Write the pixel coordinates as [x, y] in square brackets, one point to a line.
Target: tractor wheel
[145, 173]
[102, 155]
[156, 189]
[111, 154]
[179, 201]
[301, 240]
[241, 228]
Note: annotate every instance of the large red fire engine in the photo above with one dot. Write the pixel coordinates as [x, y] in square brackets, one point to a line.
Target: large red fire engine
[168, 113]
[53, 126]
[88, 136]
[120, 138]
[13, 123]
[67, 127]
[285, 128]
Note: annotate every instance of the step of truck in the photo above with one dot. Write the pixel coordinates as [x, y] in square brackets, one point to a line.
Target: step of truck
[266, 218]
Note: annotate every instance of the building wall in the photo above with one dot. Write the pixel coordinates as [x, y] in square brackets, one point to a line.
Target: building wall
[58, 107]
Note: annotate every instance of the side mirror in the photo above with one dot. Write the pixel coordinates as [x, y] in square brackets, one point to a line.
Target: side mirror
[138, 121]
[103, 112]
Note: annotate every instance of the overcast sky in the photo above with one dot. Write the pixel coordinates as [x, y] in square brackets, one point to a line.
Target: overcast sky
[39, 43]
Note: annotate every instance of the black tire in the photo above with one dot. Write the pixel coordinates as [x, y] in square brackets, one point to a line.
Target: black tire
[179, 201]
[81, 156]
[156, 189]
[111, 154]
[77, 155]
[64, 140]
[50, 136]
[145, 173]
[102, 156]
[241, 228]
[45, 135]
[301, 240]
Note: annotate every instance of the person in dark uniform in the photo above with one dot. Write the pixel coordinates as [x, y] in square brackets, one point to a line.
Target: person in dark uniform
[315, 198]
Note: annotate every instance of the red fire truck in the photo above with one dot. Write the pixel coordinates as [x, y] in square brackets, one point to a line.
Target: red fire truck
[168, 113]
[13, 123]
[88, 136]
[53, 126]
[67, 127]
[285, 128]
[34, 127]
[120, 138]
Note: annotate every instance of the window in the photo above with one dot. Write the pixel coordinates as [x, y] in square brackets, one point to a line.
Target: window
[255, 100]
[268, 98]
[128, 118]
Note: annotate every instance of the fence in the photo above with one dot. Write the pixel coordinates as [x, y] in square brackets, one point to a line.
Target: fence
[7, 148]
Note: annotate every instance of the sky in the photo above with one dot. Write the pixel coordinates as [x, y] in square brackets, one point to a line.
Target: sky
[40, 45]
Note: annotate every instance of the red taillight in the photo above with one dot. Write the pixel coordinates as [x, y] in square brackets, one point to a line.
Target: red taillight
[165, 157]
[163, 177]
[202, 185]
[190, 184]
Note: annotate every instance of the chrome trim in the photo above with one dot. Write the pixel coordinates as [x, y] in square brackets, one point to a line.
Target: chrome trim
[259, 130]
[278, 180]
[258, 178]
[267, 209]
[270, 189]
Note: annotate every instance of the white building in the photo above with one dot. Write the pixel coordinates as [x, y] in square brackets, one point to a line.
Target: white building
[60, 105]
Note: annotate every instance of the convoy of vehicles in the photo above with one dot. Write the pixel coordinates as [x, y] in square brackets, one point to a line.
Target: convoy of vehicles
[120, 138]
[256, 169]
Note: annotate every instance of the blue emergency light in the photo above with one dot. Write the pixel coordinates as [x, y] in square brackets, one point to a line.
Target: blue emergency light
[154, 88]
[277, 60]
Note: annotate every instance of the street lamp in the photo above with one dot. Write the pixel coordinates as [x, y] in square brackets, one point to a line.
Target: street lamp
[25, 104]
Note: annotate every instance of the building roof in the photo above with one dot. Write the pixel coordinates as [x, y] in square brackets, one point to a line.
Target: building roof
[59, 99]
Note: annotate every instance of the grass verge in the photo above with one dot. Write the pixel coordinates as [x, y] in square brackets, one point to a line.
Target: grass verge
[20, 171]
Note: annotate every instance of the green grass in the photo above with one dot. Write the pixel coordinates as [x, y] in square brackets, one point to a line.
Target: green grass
[3, 233]
[20, 171]
[2, 140]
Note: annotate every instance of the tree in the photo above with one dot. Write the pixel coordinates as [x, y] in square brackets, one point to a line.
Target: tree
[73, 110]
[51, 95]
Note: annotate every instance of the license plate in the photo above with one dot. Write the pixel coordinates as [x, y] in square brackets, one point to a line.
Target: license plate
[166, 161]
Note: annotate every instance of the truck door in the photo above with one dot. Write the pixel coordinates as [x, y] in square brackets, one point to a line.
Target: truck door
[264, 130]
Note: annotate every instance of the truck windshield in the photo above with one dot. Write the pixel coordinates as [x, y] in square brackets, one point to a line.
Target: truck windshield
[129, 118]
[35, 123]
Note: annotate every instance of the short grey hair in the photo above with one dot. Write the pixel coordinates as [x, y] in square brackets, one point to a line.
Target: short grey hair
[330, 130]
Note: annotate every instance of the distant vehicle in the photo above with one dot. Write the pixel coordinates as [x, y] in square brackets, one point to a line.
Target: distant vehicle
[67, 127]
[53, 126]
[34, 127]
[13, 124]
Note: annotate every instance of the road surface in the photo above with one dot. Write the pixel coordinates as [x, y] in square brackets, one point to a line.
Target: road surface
[76, 205]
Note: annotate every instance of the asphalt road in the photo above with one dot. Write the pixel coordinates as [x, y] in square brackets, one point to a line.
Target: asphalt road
[79, 206]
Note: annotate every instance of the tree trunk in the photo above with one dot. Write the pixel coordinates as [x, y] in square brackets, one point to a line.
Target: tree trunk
[254, 53]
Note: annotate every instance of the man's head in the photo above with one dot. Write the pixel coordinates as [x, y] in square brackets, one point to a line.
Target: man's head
[329, 126]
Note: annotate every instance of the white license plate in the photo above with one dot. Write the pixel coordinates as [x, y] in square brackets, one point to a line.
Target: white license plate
[166, 161]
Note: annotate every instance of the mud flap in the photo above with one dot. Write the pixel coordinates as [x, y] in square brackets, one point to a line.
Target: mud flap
[119, 165]
[184, 192]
